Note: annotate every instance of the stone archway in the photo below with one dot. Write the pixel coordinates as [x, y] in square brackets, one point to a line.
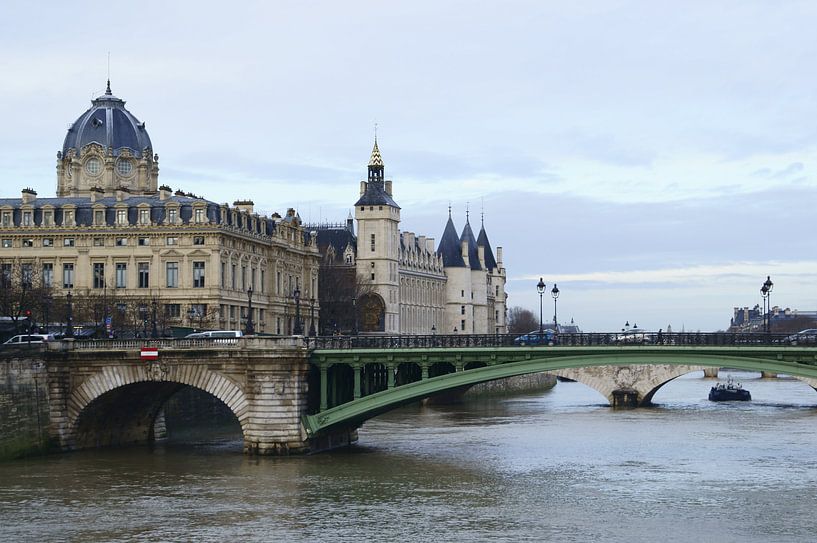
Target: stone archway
[142, 389]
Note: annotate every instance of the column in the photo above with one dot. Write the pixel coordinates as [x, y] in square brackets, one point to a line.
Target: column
[357, 382]
[324, 386]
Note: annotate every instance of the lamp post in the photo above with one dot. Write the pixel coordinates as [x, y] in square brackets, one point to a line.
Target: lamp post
[766, 293]
[154, 333]
[540, 287]
[555, 293]
[250, 328]
[46, 310]
[69, 321]
[354, 315]
[297, 329]
[143, 313]
[312, 316]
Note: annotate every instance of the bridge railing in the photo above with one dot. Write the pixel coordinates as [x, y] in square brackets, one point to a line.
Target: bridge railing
[652, 339]
[246, 342]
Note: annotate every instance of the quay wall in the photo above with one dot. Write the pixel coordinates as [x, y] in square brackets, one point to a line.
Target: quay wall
[24, 406]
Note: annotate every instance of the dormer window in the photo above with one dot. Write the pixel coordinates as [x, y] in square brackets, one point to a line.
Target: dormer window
[121, 216]
[27, 218]
[68, 217]
[99, 217]
[7, 218]
[198, 215]
[172, 215]
[93, 166]
[144, 216]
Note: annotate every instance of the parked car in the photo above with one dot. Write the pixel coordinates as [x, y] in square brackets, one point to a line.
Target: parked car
[547, 337]
[218, 336]
[634, 336]
[25, 339]
[809, 335]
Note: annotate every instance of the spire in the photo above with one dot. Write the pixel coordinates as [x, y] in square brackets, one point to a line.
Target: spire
[376, 159]
[449, 248]
[108, 89]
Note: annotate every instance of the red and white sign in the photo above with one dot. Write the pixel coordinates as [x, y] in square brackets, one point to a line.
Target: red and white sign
[149, 353]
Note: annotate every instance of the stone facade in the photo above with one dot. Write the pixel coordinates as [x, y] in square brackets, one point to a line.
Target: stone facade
[146, 253]
[24, 407]
[404, 284]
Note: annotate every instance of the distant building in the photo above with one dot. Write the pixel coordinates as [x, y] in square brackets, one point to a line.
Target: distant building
[745, 319]
[397, 282]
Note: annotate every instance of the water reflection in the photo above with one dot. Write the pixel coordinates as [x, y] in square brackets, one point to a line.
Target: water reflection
[555, 466]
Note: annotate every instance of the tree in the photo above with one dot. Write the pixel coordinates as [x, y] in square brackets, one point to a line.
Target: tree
[521, 320]
[24, 296]
[340, 290]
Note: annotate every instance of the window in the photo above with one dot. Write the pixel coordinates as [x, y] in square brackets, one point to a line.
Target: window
[48, 242]
[67, 276]
[462, 293]
[5, 276]
[462, 325]
[497, 290]
[349, 259]
[68, 217]
[144, 216]
[198, 274]
[199, 214]
[93, 166]
[6, 243]
[243, 277]
[262, 280]
[173, 311]
[48, 274]
[144, 241]
[124, 167]
[48, 218]
[144, 274]
[99, 217]
[28, 242]
[172, 274]
[68, 242]
[372, 242]
[27, 218]
[372, 277]
[172, 214]
[223, 274]
[198, 240]
[99, 242]
[462, 310]
[232, 276]
[121, 216]
[27, 275]
[99, 275]
[172, 241]
[7, 218]
[121, 275]
[121, 242]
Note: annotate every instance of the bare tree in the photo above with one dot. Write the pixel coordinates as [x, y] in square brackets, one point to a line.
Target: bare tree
[24, 296]
[340, 291]
[521, 320]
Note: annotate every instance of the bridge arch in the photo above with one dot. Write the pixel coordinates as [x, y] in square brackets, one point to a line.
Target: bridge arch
[640, 372]
[145, 387]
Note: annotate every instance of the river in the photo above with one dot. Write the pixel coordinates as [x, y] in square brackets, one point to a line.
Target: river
[554, 466]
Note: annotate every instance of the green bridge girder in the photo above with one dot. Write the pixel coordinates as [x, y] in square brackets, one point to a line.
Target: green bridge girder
[501, 362]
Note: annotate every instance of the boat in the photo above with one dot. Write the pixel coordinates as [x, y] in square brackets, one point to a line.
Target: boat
[729, 392]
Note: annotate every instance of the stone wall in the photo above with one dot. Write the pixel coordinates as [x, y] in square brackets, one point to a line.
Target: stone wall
[534, 382]
[23, 405]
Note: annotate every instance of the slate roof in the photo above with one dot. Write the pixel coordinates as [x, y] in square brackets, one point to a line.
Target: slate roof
[473, 254]
[482, 241]
[338, 239]
[449, 247]
[109, 124]
[376, 195]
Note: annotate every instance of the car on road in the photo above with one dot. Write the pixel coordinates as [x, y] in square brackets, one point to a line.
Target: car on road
[25, 339]
[634, 336]
[547, 337]
[809, 335]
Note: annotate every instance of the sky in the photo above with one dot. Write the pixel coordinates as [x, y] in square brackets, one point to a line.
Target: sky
[654, 159]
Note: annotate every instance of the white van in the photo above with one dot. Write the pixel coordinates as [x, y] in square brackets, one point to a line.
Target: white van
[213, 334]
[25, 339]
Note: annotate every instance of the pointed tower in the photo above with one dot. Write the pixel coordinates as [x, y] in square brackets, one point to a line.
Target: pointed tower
[496, 284]
[456, 259]
[478, 317]
[378, 245]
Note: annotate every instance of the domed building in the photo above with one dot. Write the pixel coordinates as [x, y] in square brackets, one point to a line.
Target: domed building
[107, 148]
[139, 258]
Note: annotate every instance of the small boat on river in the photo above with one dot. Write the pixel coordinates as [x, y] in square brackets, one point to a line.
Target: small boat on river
[729, 392]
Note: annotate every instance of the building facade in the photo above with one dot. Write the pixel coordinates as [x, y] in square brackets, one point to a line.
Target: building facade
[402, 283]
[140, 253]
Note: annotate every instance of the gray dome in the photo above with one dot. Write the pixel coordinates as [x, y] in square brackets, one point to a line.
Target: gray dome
[109, 124]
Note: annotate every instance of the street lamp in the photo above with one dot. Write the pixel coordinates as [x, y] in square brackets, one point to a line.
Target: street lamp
[555, 293]
[154, 333]
[143, 313]
[297, 295]
[766, 293]
[540, 287]
[69, 324]
[250, 328]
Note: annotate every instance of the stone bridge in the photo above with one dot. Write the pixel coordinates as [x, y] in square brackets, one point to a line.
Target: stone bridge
[291, 395]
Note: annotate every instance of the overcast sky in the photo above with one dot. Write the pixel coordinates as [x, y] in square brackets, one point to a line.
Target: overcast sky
[655, 159]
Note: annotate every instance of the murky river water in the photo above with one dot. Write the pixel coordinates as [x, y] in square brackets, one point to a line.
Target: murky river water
[556, 466]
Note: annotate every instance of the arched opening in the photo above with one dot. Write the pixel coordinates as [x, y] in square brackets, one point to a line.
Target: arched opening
[441, 368]
[408, 372]
[341, 388]
[373, 378]
[372, 313]
[147, 411]
[475, 365]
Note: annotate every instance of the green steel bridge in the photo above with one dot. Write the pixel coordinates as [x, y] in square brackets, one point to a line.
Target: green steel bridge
[356, 378]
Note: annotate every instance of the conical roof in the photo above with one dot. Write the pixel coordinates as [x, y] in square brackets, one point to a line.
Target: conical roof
[473, 254]
[376, 159]
[482, 241]
[449, 247]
